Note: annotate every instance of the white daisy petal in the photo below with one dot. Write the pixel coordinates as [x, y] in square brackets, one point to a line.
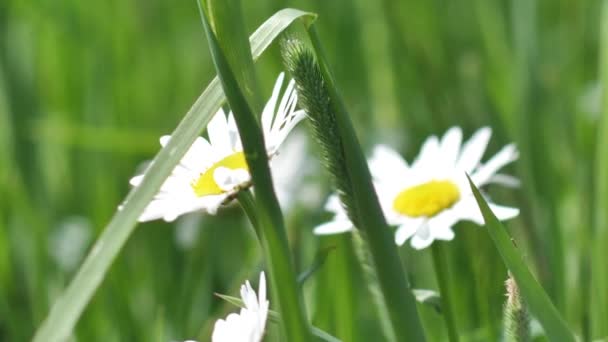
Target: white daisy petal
[233, 133]
[404, 232]
[228, 179]
[385, 163]
[269, 109]
[135, 181]
[164, 140]
[219, 134]
[278, 137]
[422, 238]
[334, 227]
[450, 146]
[473, 150]
[505, 156]
[505, 180]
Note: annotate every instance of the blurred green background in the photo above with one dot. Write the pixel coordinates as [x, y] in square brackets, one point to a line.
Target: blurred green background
[86, 90]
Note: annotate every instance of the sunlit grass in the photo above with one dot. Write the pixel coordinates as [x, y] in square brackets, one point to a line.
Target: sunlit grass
[83, 99]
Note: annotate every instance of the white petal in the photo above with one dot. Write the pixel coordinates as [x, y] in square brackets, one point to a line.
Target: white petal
[422, 239]
[505, 180]
[283, 109]
[334, 227]
[444, 233]
[228, 179]
[269, 109]
[164, 140]
[135, 181]
[467, 209]
[404, 232]
[428, 162]
[386, 164]
[233, 133]
[334, 205]
[450, 146]
[473, 150]
[276, 138]
[199, 157]
[505, 156]
[219, 134]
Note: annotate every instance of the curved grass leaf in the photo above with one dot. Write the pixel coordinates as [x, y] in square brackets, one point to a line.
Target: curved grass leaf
[535, 297]
[69, 306]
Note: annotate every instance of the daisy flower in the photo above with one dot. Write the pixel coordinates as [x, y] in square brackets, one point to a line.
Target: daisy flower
[424, 200]
[248, 325]
[213, 170]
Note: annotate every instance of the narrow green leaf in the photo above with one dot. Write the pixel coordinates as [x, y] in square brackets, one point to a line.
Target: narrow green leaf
[269, 217]
[441, 273]
[535, 297]
[69, 306]
[599, 274]
[319, 260]
[226, 20]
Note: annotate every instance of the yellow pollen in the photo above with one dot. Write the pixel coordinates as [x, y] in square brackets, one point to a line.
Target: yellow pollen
[427, 199]
[206, 185]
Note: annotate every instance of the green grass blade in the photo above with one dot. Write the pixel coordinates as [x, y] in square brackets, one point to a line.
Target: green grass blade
[226, 19]
[65, 312]
[535, 297]
[599, 275]
[399, 301]
[270, 219]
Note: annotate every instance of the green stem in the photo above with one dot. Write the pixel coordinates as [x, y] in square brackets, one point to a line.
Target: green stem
[269, 217]
[247, 202]
[441, 272]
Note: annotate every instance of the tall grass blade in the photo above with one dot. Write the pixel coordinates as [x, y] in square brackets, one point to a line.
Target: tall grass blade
[599, 273]
[269, 217]
[539, 303]
[65, 312]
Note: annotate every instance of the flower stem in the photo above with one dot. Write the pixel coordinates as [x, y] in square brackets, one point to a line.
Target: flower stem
[245, 198]
[441, 272]
[268, 213]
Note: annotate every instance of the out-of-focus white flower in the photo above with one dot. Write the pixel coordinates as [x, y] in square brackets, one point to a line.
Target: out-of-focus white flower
[69, 242]
[426, 199]
[214, 170]
[248, 325]
[293, 169]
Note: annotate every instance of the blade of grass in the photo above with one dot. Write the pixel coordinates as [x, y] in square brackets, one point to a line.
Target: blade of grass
[535, 297]
[270, 219]
[65, 312]
[391, 275]
[226, 19]
[599, 286]
[441, 271]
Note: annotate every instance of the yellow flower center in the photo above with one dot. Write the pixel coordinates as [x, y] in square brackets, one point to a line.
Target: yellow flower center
[427, 199]
[206, 185]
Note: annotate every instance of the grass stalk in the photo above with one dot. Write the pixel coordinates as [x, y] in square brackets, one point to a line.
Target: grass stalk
[441, 272]
[269, 217]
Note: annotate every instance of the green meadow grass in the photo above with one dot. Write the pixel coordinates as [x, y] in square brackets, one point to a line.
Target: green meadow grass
[86, 90]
